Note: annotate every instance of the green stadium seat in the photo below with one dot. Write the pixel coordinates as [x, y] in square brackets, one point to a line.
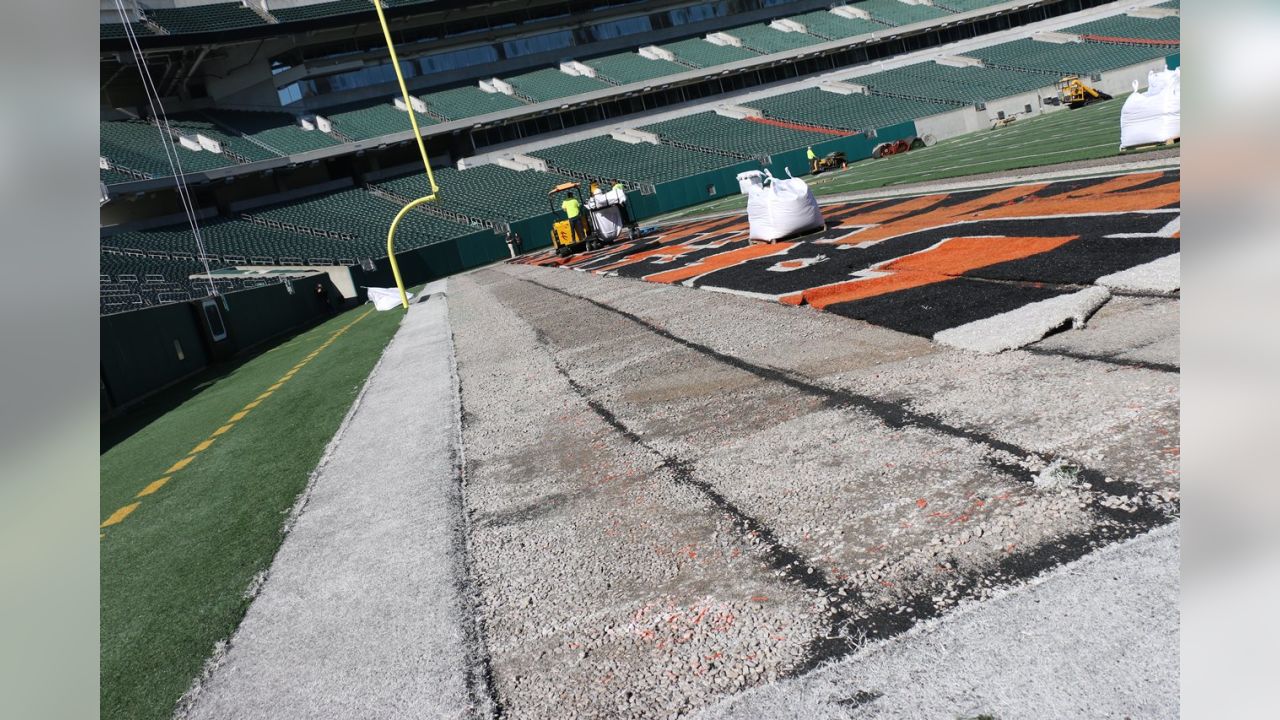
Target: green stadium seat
[829, 26]
[765, 40]
[932, 81]
[1066, 59]
[107, 31]
[487, 192]
[744, 137]
[205, 18]
[319, 10]
[137, 145]
[468, 101]
[279, 131]
[893, 12]
[961, 6]
[629, 67]
[846, 112]
[1124, 26]
[697, 52]
[607, 159]
[365, 122]
[551, 84]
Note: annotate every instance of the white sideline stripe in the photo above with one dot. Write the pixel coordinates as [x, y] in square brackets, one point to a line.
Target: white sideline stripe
[1158, 276]
[1026, 324]
[1168, 231]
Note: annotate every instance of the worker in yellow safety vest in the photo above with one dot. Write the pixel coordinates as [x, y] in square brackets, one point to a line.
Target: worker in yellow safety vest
[572, 208]
[813, 158]
[617, 185]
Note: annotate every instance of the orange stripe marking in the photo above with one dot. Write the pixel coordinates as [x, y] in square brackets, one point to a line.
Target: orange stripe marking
[944, 262]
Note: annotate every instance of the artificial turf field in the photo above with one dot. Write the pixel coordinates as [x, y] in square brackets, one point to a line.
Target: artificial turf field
[1088, 133]
[176, 568]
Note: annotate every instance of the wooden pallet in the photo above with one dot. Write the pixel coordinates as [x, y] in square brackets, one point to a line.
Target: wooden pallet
[1151, 146]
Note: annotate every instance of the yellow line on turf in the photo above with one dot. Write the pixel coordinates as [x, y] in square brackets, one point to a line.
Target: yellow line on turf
[119, 515]
[181, 464]
[123, 512]
[153, 487]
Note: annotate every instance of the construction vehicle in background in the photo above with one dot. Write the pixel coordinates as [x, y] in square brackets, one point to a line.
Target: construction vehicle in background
[1075, 94]
[834, 160]
[586, 223]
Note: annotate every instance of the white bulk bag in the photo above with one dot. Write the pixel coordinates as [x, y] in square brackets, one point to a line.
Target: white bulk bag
[608, 221]
[782, 208]
[1156, 115]
[750, 179]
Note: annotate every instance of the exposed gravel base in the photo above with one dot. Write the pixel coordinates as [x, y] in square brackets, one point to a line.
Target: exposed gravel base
[1097, 638]
[676, 495]
[1127, 331]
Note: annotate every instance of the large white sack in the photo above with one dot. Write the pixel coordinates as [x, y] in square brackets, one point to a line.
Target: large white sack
[784, 207]
[608, 222]
[750, 179]
[1156, 115]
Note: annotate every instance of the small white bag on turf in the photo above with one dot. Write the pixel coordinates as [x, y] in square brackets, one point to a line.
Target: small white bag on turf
[781, 208]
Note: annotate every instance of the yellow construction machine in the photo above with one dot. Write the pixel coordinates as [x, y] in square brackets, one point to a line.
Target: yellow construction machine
[1075, 94]
[579, 228]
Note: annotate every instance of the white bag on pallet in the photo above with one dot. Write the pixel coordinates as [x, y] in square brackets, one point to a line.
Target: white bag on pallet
[1156, 115]
[781, 208]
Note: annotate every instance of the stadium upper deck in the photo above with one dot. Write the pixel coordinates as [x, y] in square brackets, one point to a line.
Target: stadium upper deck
[347, 224]
[530, 100]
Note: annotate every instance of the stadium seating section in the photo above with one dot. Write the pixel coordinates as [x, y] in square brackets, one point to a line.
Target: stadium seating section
[1069, 58]
[765, 40]
[743, 137]
[952, 84]
[205, 18]
[371, 121]
[364, 217]
[629, 67]
[487, 192]
[1124, 26]
[699, 53]
[829, 26]
[130, 281]
[140, 146]
[319, 10]
[960, 6]
[278, 132]
[846, 112]
[893, 12]
[116, 30]
[468, 101]
[608, 159]
[551, 84]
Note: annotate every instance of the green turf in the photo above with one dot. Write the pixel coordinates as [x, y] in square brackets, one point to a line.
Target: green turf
[1065, 136]
[175, 571]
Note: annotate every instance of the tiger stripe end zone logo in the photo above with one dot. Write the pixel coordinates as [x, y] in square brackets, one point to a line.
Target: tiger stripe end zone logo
[1007, 265]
